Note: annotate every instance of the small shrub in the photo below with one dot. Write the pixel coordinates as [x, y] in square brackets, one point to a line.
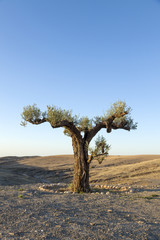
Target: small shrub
[155, 195]
[20, 196]
[70, 185]
[151, 197]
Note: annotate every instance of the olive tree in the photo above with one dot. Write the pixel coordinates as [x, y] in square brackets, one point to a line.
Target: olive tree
[82, 131]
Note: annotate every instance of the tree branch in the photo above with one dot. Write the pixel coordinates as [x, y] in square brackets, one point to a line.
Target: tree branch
[92, 157]
[121, 126]
[108, 124]
[37, 121]
[69, 125]
[94, 131]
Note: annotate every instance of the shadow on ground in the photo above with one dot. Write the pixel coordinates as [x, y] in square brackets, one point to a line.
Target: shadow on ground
[12, 172]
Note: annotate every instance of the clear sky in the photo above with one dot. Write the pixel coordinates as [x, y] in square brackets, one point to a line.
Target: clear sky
[80, 55]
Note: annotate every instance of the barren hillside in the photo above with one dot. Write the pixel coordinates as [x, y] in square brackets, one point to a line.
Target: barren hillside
[133, 170]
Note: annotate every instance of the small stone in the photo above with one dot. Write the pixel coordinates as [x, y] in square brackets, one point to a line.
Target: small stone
[66, 192]
[107, 193]
[132, 191]
[110, 210]
[58, 226]
[123, 189]
[92, 224]
[140, 222]
[11, 234]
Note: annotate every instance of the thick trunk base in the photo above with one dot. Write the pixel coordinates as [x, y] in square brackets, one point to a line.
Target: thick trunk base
[81, 180]
[81, 168]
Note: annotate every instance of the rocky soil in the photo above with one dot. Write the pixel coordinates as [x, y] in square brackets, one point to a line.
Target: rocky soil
[36, 203]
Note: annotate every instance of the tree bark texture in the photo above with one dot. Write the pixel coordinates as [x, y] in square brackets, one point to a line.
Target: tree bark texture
[81, 166]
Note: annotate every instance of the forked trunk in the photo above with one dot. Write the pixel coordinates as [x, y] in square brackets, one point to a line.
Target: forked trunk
[81, 166]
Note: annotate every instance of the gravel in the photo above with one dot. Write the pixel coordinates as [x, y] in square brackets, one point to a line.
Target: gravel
[28, 213]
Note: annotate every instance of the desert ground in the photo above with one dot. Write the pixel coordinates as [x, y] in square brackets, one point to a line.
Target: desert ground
[124, 204]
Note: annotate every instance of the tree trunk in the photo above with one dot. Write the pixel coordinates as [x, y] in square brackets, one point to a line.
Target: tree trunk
[81, 166]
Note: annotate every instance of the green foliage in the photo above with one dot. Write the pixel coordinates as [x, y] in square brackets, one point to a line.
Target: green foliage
[126, 121]
[31, 113]
[56, 115]
[97, 120]
[100, 151]
[70, 186]
[121, 112]
[118, 116]
[20, 196]
[85, 124]
[117, 109]
[151, 196]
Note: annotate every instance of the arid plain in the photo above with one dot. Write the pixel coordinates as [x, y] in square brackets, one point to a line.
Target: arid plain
[133, 170]
[128, 209]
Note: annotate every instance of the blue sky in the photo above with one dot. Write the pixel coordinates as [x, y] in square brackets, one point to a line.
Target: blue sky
[81, 55]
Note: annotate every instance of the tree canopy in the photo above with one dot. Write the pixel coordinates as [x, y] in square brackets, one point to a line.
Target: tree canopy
[118, 116]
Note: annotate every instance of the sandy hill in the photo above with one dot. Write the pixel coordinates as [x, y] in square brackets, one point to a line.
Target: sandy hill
[133, 170]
